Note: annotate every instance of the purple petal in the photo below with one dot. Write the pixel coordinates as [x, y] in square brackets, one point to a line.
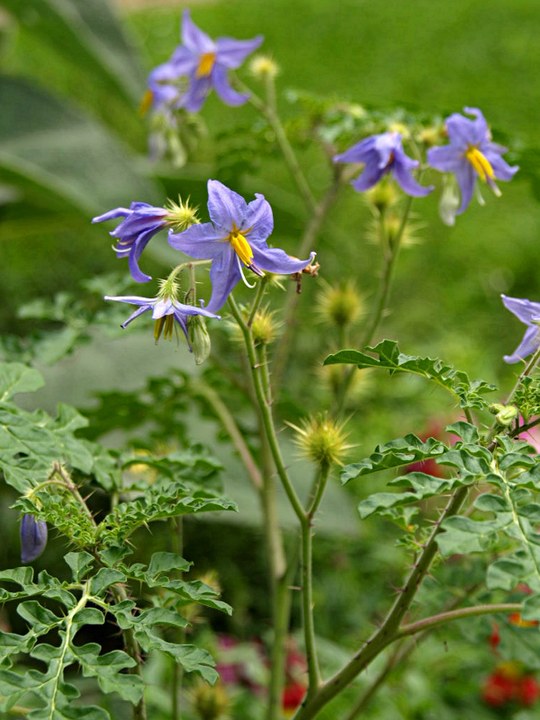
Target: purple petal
[460, 130]
[529, 345]
[369, 177]
[131, 299]
[466, 179]
[33, 538]
[133, 261]
[225, 207]
[259, 220]
[111, 215]
[232, 53]
[224, 90]
[525, 310]
[407, 182]
[196, 93]
[203, 242]
[445, 159]
[224, 275]
[277, 261]
[359, 152]
[502, 170]
[194, 38]
[479, 126]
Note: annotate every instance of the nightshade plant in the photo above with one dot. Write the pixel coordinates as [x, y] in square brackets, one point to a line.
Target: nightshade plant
[481, 508]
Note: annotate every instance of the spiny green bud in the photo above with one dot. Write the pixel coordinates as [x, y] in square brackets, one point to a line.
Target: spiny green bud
[264, 327]
[340, 305]
[322, 440]
[199, 339]
[262, 66]
[181, 215]
[209, 703]
[504, 414]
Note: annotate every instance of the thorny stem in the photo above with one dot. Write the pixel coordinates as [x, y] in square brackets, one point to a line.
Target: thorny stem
[389, 631]
[444, 617]
[307, 243]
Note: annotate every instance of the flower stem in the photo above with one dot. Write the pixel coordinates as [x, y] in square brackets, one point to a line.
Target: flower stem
[389, 631]
[445, 617]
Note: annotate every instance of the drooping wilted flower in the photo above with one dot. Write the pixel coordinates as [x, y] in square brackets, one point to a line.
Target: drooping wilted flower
[197, 66]
[470, 155]
[235, 238]
[529, 313]
[383, 154]
[33, 538]
[141, 222]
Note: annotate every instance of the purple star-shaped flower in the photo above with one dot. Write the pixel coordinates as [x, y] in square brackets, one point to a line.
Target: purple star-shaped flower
[198, 65]
[33, 538]
[471, 155]
[529, 313]
[235, 238]
[165, 311]
[141, 222]
[383, 154]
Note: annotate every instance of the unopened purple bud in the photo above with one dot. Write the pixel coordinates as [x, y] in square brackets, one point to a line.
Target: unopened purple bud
[33, 538]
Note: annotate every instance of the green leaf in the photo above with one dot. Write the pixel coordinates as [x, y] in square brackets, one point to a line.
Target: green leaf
[104, 578]
[190, 658]
[388, 357]
[162, 562]
[56, 151]
[402, 451]
[507, 572]
[108, 669]
[80, 563]
[41, 619]
[463, 535]
[16, 378]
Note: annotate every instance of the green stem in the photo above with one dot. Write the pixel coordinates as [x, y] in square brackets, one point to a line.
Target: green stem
[177, 527]
[262, 393]
[389, 631]
[261, 287]
[445, 617]
[269, 110]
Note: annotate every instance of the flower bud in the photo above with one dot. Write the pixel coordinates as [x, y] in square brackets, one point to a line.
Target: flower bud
[181, 215]
[209, 703]
[322, 440]
[504, 414]
[264, 327]
[340, 306]
[33, 538]
[262, 66]
[199, 339]
[449, 202]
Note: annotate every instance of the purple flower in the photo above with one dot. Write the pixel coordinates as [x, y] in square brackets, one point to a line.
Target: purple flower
[471, 155]
[166, 309]
[529, 313]
[33, 538]
[198, 65]
[383, 154]
[141, 222]
[235, 238]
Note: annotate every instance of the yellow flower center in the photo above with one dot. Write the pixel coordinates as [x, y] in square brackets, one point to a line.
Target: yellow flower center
[206, 63]
[480, 163]
[164, 325]
[241, 247]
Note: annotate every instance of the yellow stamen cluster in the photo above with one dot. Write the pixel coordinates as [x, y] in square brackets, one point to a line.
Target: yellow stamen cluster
[164, 326]
[480, 163]
[241, 246]
[206, 64]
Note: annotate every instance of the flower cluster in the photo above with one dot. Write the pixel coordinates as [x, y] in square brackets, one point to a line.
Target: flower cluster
[470, 156]
[233, 242]
[197, 66]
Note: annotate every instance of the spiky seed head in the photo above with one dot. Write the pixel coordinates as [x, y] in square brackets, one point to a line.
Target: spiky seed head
[262, 66]
[264, 327]
[382, 196]
[322, 440]
[340, 305]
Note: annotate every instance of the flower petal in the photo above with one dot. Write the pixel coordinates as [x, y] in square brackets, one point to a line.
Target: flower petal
[201, 241]
[33, 538]
[111, 215]
[277, 261]
[525, 310]
[194, 38]
[231, 53]
[369, 177]
[445, 159]
[466, 179]
[224, 90]
[259, 219]
[529, 345]
[225, 207]
[224, 275]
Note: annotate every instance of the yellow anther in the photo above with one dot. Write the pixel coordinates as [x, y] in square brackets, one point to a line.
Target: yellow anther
[206, 64]
[241, 247]
[146, 102]
[480, 163]
[164, 325]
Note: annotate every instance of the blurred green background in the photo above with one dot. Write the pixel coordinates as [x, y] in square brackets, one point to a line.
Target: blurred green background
[73, 145]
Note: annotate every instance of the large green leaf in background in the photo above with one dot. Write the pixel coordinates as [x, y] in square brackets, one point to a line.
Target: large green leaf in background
[47, 146]
[85, 32]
